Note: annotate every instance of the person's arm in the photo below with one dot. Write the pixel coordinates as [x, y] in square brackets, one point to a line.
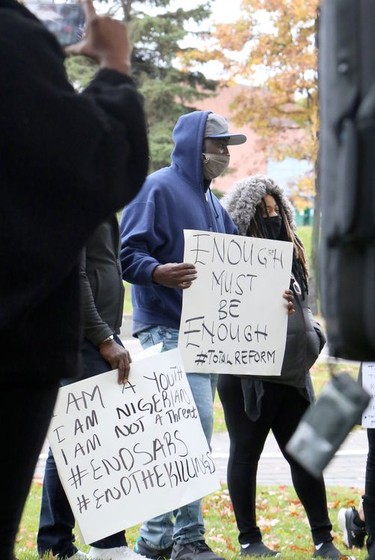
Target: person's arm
[318, 329]
[94, 328]
[106, 41]
[141, 237]
[68, 160]
[99, 332]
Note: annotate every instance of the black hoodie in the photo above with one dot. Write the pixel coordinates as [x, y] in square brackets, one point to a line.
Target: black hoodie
[67, 161]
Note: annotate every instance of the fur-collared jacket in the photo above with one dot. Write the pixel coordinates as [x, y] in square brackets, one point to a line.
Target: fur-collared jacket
[305, 338]
[245, 195]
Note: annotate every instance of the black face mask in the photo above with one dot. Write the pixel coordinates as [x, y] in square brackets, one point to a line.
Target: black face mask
[273, 226]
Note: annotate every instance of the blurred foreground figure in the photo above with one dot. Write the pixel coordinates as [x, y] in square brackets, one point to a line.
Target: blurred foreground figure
[347, 176]
[347, 182]
[67, 161]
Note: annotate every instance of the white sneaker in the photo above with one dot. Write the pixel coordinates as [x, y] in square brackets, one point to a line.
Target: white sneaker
[79, 555]
[118, 553]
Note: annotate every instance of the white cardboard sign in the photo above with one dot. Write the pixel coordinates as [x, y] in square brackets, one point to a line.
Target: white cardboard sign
[234, 317]
[368, 383]
[128, 453]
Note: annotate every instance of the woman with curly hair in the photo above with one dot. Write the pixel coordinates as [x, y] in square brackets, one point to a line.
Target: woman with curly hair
[254, 405]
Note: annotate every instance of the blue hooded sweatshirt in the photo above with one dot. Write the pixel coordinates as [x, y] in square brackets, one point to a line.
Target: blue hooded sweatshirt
[172, 199]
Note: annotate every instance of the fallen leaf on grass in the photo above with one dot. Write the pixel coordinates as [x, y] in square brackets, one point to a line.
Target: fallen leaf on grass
[294, 509]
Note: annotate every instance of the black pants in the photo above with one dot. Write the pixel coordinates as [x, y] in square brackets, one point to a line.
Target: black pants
[282, 409]
[57, 521]
[369, 497]
[25, 414]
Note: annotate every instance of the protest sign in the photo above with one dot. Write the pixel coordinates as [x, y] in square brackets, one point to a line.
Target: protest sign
[126, 453]
[234, 317]
[368, 383]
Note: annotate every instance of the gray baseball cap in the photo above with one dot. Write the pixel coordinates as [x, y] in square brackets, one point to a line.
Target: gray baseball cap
[217, 127]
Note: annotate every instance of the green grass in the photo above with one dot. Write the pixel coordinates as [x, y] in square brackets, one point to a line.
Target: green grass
[128, 308]
[305, 233]
[280, 516]
[281, 519]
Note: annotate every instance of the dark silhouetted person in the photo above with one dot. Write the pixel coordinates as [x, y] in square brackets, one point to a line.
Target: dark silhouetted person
[67, 162]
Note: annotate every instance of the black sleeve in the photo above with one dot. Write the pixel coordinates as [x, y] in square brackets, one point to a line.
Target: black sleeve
[67, 160]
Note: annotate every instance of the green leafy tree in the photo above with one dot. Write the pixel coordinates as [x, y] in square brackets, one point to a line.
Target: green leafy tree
[162, 65]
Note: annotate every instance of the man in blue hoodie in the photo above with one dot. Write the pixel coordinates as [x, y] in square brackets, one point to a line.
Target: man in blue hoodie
[172, 199]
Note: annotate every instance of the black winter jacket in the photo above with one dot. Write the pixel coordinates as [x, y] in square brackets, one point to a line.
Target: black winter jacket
[101, 283]
[304, 342]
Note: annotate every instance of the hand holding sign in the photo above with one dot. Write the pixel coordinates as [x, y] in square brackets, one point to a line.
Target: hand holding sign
[131, 452]
[234, 318]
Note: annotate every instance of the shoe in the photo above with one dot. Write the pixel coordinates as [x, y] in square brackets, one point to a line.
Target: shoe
[141, 547]
[329, 551]
[257, 549]
[79, 555]
[117, 553]
[354, 532]
[193, 551]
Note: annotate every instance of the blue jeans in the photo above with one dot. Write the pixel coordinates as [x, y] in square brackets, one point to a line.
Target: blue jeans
[160, 532]
[56, 522]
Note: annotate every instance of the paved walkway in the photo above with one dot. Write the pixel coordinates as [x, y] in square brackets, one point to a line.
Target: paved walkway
[347, 468]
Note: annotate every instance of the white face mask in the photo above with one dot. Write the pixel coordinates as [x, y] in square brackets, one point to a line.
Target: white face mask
[214, 165]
